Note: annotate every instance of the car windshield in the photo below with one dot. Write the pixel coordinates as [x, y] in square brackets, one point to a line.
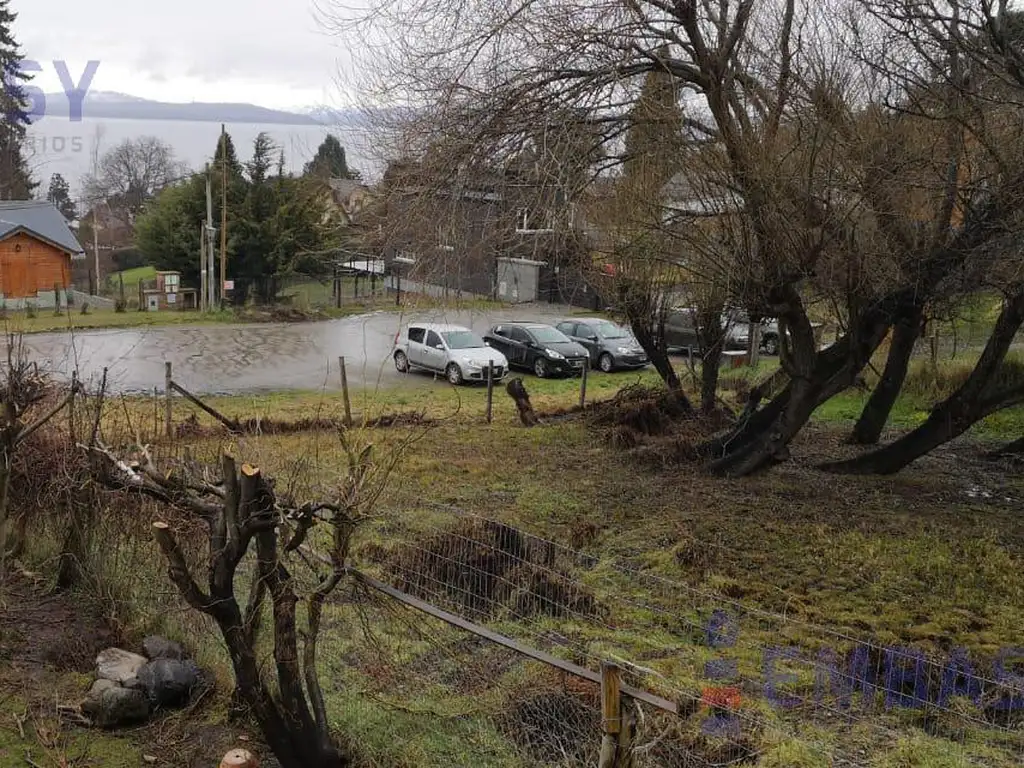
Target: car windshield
[463, 340]
[547, 335]
[609, 330]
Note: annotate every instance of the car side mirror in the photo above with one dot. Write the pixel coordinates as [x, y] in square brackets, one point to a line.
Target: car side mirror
[439, 346]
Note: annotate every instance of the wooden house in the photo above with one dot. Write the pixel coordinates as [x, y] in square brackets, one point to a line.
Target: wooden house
[36, 250]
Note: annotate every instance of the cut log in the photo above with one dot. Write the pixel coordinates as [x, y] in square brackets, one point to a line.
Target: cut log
[517, 391]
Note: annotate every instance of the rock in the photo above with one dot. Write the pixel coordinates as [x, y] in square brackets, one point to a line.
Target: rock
[117, 665]
[116, 706]
[239, 758]
[169, 682]
[156, 647]
[100, 686]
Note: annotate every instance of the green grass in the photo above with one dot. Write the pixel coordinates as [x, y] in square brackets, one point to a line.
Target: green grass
[132, 278]
[907, 560]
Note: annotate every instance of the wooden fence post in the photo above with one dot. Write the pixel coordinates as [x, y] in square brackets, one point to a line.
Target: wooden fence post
[583, 383]
[611, 714]
[168, 393]
[490, 389]
[344, 392]
[625, 748]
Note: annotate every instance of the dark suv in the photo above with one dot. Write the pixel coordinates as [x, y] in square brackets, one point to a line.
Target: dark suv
[537, 347]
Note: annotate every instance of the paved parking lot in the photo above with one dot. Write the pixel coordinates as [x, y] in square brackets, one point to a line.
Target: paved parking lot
[228, 359]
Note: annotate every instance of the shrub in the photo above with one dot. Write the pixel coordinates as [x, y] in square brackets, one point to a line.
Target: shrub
[30, 310]
[120, 305]
[85, 307]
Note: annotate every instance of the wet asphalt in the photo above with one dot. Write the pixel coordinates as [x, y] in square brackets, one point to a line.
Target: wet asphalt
[262, 357]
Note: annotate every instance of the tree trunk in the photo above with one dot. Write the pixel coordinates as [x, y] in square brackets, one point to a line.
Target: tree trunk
[518, 393]
[754, 343]
[876, 411]
[957, 413]
[763, 439]
[292, 745]
[75, 551]
[648, 327]
[712, 340]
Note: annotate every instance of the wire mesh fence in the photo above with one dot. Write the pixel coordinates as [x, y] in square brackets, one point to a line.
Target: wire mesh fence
[735, 683]
[745, 683]
[336, 289]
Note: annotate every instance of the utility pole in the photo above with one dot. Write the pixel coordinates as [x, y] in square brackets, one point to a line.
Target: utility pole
[211, 294]
[96, 248]
[223, 209]
[202, 266]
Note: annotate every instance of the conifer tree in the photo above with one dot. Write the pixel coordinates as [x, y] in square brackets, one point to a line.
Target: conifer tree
[16, 181]
[59, 194]
[329, 161]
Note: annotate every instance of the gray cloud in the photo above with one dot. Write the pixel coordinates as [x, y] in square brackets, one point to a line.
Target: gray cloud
[269, 42]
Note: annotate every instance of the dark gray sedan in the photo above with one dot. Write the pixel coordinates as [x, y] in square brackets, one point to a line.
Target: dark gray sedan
[610, 346]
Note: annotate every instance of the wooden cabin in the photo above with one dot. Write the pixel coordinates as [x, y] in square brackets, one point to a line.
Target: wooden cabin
[36, 249]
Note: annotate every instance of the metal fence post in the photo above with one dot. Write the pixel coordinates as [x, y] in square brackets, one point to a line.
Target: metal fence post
[490, 388]
[583, 383]
[168, 418]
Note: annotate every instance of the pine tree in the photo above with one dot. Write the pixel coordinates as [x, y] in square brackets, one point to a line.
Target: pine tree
[654, 140]
[15, 177]
[329, 161]
[59, 194]
[226, 147]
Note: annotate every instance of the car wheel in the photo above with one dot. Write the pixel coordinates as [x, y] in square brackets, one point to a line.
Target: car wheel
[605, 363]
[771, 345]
[401, 362]
[454, 374]
[540, 367]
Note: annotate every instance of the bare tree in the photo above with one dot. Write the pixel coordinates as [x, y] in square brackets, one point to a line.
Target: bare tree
[132, 172]
[24, 392]
[804, 128]
[243, 513]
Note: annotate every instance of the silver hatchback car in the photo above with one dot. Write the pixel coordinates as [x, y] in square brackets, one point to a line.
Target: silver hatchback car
[457, 352]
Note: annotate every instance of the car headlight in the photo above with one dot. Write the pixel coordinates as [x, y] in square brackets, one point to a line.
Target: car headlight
[624, 350]
[554, 355]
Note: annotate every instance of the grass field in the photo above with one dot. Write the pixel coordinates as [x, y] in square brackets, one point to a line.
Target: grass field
[931, 558]
[46, 321]
[131, 278]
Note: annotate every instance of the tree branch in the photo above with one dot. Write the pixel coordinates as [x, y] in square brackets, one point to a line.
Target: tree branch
[177, 569]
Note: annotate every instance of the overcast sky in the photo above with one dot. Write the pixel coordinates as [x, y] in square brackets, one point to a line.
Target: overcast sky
[265, 52]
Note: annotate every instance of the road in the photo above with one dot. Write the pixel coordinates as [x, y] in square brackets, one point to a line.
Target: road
[232, 359]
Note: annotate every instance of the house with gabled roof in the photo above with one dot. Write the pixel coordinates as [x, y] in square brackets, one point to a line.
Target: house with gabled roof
[37, 247]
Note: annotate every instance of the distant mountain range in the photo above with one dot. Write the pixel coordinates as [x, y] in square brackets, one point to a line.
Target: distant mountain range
[120, 106]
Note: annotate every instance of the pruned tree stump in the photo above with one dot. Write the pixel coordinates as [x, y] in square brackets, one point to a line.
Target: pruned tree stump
[239, 758]
[517, 391]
